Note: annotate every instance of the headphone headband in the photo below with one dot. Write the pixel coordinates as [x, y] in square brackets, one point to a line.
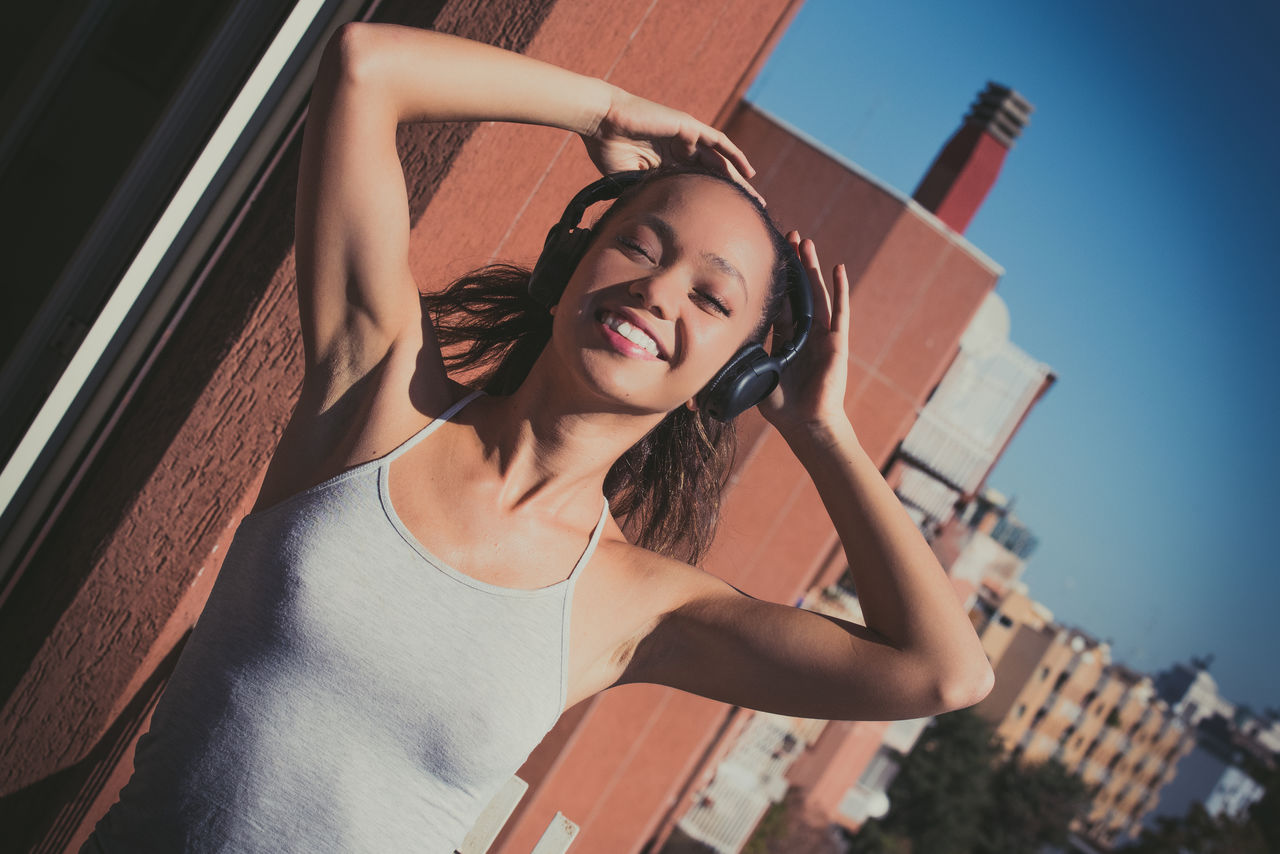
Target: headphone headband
[600, 190]
[750, 376]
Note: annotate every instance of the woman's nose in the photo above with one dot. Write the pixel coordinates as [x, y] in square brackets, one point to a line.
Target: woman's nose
[660, 292]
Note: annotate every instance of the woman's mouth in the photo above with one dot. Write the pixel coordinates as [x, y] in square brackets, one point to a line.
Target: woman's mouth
[628, 338]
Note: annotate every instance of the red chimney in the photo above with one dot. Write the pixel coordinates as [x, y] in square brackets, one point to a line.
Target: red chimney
[967, 166]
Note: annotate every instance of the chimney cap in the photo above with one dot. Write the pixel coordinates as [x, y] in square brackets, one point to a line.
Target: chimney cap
[1001, 112]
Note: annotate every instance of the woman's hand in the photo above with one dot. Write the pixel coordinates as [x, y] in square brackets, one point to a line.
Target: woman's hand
[811, 393]
[640, 134]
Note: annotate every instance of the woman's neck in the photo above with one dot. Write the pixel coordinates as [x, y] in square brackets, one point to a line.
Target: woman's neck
[550, 447]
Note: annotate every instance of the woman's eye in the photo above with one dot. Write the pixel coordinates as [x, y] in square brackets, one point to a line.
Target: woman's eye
[634, 246]
[710, 300]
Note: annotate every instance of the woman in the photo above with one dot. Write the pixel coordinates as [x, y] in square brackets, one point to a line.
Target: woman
[431, 575]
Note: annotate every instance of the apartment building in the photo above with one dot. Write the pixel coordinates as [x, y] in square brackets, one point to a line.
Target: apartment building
[1059, 696]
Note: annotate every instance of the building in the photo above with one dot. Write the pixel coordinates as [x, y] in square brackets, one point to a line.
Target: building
[991, 384]
[748, 780]
[1262, 732]
[1058, 696]
[1207, 777]
[969, 419]
[986, 545]
[1192, 693]
[1213, 774]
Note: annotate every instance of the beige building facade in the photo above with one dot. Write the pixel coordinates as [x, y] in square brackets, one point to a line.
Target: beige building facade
[1059, 696]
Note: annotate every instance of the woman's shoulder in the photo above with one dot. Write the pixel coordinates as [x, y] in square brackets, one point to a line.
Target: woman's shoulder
[329, 433]
[665, 583]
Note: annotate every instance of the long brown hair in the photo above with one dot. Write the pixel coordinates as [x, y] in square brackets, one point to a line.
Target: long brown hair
[667, 486]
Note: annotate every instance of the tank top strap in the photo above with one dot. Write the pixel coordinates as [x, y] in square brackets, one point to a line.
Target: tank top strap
[431, 428]
[591, 545]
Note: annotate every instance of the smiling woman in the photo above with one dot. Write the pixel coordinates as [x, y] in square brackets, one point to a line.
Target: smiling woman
[667, 485]
[433, 573]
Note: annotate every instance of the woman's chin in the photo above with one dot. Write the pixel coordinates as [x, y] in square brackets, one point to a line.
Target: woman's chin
[616, 383]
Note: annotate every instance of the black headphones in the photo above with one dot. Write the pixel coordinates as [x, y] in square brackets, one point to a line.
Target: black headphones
[750, 376]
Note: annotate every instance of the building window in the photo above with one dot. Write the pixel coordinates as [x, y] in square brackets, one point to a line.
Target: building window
[88, 94]
[124, 125]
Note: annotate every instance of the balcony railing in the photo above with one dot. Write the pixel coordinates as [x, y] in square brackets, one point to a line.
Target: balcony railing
[556, 839]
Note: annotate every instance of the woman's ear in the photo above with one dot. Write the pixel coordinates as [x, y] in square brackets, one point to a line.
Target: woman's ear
[691, 404]
[552, 311]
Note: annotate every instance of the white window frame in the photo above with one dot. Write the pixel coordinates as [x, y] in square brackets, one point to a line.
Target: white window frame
[125, 337]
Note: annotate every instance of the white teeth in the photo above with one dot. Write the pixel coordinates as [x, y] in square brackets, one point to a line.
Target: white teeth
[634, 334]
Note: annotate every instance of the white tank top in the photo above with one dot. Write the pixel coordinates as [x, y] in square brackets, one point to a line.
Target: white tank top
[343, 689]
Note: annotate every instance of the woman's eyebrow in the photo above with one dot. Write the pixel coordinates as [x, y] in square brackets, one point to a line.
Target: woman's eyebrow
[668, 236]
[725, 267]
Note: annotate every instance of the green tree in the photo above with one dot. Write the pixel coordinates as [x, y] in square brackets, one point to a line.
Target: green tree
[1265, 814]
[939, 795]
[955, 795]
[872, 838]
[1197, 832]
[1031, 806]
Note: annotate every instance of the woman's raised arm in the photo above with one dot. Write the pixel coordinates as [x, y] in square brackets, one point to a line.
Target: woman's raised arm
[357, 297]
[917, 655]
[356, 294]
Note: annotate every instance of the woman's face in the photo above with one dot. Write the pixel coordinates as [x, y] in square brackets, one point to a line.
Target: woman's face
[670, 289]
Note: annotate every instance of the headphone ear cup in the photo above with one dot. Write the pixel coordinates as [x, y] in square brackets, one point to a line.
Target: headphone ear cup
[561, 253]
[744, 381]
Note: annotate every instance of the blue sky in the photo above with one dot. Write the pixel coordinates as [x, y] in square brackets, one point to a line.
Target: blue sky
[1135, 221]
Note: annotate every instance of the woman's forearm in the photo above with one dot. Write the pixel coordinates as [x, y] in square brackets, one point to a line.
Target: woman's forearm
[905, 595]
[431, 76]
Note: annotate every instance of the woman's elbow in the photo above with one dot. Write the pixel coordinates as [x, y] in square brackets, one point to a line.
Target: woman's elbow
[348, 50]
[960, 691]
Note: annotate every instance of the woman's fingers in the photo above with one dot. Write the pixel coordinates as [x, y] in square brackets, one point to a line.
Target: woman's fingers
[822, 306]
[717, 141]
[685, 139]
[715, 160]
[831, 304]
[722, 154]
[840, 304]
[690, 146]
